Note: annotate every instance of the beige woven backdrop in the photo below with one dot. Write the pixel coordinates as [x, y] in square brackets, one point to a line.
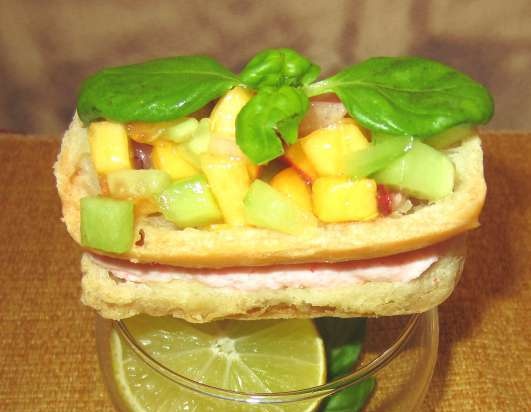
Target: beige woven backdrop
[48, 47]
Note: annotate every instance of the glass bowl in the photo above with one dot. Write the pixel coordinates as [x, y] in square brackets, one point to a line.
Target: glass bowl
[399, 352]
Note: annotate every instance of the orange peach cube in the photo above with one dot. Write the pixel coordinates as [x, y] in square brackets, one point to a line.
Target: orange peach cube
[109, 147]
[223, 116]
[341, 199]
[167, 156]
[327, 148]
[290, 183]
[229, 181]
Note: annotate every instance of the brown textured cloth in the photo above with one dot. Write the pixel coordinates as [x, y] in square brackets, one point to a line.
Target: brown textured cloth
[47, 352]
[48, 47]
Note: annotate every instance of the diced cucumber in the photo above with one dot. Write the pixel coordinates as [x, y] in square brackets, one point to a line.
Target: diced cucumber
[450, 136]
[137, 183]
[182, 131]
[364, 162]
[423, 172]
[189, 202]
[268, 208]
[200, 140]
[379, 137]
[107, 224]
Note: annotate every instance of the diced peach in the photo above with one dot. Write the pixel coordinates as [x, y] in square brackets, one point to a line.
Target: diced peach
[291, 183]
[340, 199]
[327, 148]
[223, 116]
[109, 147]
[323, 151]
[229, 181]
[296, 158]
[354, 137]
[167, 156]
[188, 156]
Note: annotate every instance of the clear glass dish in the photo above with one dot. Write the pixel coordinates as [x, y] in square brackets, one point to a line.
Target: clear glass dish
[400, 352]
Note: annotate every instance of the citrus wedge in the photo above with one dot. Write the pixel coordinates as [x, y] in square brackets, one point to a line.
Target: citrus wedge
[246, 356]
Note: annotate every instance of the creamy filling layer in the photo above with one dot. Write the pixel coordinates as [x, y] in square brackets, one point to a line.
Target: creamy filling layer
[403, 267]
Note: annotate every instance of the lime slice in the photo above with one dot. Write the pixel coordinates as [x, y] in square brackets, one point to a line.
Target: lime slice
[247, 356]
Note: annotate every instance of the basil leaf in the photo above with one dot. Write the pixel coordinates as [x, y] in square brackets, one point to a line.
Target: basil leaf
[279, 67]
[343, 359]
[408, 96]
[154, 91]
[351, 399]
[270, 113]
[344, 339]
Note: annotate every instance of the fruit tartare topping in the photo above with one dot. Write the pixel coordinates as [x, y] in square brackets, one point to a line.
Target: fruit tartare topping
[277, 150]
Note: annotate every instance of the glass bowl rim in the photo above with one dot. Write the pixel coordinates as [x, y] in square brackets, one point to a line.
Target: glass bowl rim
[298, 395]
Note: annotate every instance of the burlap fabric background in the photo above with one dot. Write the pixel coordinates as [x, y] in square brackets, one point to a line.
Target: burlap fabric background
[48, 47]
[47, 354]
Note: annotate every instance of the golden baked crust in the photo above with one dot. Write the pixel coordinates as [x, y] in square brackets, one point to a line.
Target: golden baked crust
[197, 302]
[247, 246]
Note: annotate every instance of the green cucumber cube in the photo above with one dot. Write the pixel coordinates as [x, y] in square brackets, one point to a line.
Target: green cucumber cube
[362, 163]
[189, 202]
[137, 183]
[107, 224]
[200, 140]
[182, 131]
[423, 172]
[268, 208]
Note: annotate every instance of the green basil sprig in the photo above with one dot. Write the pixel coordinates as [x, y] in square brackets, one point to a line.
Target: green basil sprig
[344, 341]
[154, 91]
[271, 113]
[408, 96]
[279, 106]
[344, 338]
[277, 68]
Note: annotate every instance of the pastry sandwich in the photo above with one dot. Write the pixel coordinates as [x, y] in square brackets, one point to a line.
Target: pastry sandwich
[203, 194]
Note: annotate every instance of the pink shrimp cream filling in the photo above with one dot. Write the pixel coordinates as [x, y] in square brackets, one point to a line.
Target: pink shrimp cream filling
[402, 267]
